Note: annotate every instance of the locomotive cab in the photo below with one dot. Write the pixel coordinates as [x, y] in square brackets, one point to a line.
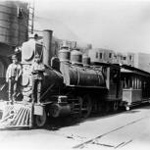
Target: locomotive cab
[112, 75]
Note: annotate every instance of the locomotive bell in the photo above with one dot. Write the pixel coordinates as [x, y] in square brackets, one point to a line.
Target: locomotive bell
[64, 54]
[76, 57]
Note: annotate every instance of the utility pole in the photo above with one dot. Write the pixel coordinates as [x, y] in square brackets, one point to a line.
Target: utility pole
[31, 17]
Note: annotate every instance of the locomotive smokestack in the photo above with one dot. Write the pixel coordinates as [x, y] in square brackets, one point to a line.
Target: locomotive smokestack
[47, 41]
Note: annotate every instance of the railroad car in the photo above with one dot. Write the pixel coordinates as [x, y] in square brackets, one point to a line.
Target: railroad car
[136, 86]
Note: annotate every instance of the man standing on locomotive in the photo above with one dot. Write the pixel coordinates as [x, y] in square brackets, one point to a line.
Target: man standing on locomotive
[37, 70]
[13, 74]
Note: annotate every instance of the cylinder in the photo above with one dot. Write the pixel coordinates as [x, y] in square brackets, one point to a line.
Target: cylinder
[47, 42]
[57, 110]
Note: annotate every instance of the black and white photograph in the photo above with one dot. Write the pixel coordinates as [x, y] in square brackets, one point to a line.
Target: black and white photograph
[74, 74]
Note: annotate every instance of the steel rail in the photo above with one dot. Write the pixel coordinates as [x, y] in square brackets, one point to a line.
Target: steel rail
[104, 134]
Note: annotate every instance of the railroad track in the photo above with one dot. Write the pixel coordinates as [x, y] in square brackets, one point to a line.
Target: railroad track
[95, 139]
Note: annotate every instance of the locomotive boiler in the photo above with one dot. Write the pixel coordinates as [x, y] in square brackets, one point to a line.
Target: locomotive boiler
[75, 74]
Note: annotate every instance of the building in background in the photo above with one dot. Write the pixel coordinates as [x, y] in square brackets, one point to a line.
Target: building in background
[142, 61]
[137, 60]
[14, 25]
[102, 55]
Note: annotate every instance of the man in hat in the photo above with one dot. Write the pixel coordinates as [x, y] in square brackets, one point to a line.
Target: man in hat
[37, 70]
[13, 74]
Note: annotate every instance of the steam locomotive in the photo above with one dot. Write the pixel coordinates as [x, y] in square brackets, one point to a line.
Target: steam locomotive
[74, 86]
[71, 84]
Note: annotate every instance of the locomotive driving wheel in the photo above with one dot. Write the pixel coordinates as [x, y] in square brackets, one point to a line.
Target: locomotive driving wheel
[86, 106]
[40, 121]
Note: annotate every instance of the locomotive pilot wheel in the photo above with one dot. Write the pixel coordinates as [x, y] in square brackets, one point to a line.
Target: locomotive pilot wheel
[40, 121]
[127, 108]
[86, 106]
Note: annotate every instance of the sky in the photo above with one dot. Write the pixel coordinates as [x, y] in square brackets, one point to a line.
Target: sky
[121, 25]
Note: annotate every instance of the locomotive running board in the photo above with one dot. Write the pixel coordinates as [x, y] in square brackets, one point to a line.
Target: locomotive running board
[87, 87]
